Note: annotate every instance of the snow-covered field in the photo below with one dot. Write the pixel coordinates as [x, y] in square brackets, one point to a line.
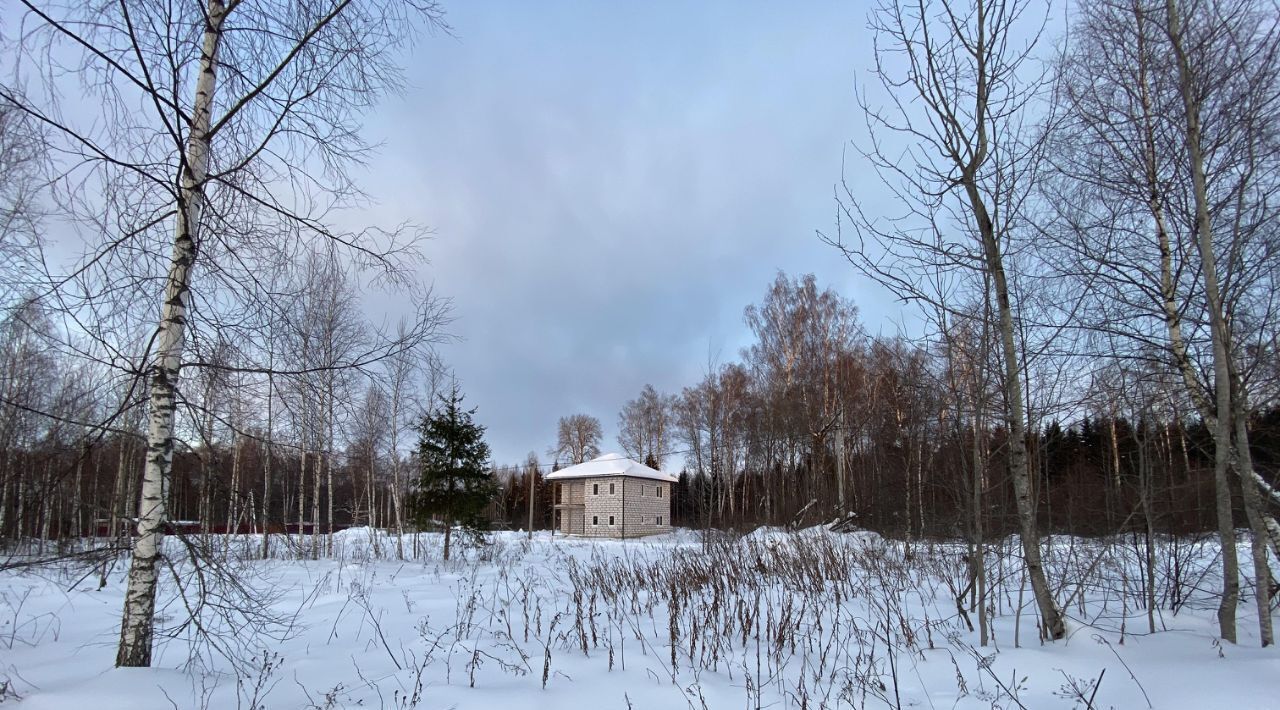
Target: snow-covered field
[772, 620]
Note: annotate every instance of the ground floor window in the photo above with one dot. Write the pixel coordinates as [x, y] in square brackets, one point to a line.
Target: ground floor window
[611, 520]
[595, 520]
[659, 520]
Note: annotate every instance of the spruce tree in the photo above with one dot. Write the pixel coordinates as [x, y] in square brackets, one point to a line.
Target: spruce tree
[454, 484]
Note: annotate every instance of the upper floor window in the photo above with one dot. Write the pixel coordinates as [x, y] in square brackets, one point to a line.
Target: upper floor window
[595, 489]
[610, 489]
[658, 490]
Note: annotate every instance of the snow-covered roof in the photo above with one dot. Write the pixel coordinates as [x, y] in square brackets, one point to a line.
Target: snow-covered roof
[611, 465]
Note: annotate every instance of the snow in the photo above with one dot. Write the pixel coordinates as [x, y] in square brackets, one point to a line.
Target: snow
[830, 620]
[611, 465]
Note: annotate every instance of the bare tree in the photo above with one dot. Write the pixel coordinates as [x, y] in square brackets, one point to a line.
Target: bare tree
[802, 333]
[1223, 27]
[400, 375]
[1163, 158]
[645, 427]
[961, 98]
[577, 438]
[333, 334]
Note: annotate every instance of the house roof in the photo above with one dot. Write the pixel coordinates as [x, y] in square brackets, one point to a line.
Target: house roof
[611, 465]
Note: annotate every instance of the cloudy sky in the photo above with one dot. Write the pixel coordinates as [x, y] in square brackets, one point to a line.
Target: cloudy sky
[610, 184]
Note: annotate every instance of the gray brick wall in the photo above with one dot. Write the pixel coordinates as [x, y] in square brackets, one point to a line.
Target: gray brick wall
[644, 507]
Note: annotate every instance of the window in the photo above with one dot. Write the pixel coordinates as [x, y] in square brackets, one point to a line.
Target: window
[595, 520]
[595, 489]
[659, 517]
[610, 489]
[610, 520]
[659, 490]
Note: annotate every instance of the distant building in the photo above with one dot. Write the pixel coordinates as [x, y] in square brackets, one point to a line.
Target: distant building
[612, 496]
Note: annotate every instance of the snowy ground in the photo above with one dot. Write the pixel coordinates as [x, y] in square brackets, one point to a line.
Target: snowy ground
[768, 621]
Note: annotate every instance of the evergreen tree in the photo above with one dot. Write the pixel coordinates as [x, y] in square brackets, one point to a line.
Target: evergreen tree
[454, 485]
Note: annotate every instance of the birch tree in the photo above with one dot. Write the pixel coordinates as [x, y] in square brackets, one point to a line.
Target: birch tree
[1165, 155]
[577, 438]
[218, 154]
[646, 427]
[802, 333]
[960, 88]
[1193, 40]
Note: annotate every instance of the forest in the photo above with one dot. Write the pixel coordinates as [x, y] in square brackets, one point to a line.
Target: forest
[885, 443]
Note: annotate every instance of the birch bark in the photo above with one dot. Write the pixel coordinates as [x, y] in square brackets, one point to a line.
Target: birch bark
[1221, 374]
[137, 623]
[1051, 617]
[1253, 511]
[269, 450]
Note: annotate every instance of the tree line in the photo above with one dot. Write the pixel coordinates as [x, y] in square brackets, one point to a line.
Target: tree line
[890, 450]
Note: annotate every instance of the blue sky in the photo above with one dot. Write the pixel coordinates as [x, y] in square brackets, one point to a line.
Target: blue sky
[610, 184]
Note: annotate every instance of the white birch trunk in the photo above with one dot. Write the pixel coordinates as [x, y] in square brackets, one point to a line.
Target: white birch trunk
[137, 624]
[399, 376]
[1051, 617]
[234, 506]
[978, 563]
[317, 540]
[1221, 374]
[302, 494]
[118, 492]
[4, 494]
[1257, 525]
[266, 470]
[328, 472]
[1262, 522]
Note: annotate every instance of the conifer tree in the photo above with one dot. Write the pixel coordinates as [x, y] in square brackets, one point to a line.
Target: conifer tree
[454, 484]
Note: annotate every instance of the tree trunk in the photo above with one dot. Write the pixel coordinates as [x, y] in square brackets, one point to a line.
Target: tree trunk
[533, 476]
[6, 475]
[118, 493]
[137, 624]
[46, 501]
[1255, 515]
[1149, 532]
[317, 539]
[1051, 617]
[328, 472]
[302, 494]
[266, 473]
[206, 466]
[396, 506]
[978, 564]
[1218, 331]
[233, 498]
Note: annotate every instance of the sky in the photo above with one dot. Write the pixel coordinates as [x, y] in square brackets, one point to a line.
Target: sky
[611, 184]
